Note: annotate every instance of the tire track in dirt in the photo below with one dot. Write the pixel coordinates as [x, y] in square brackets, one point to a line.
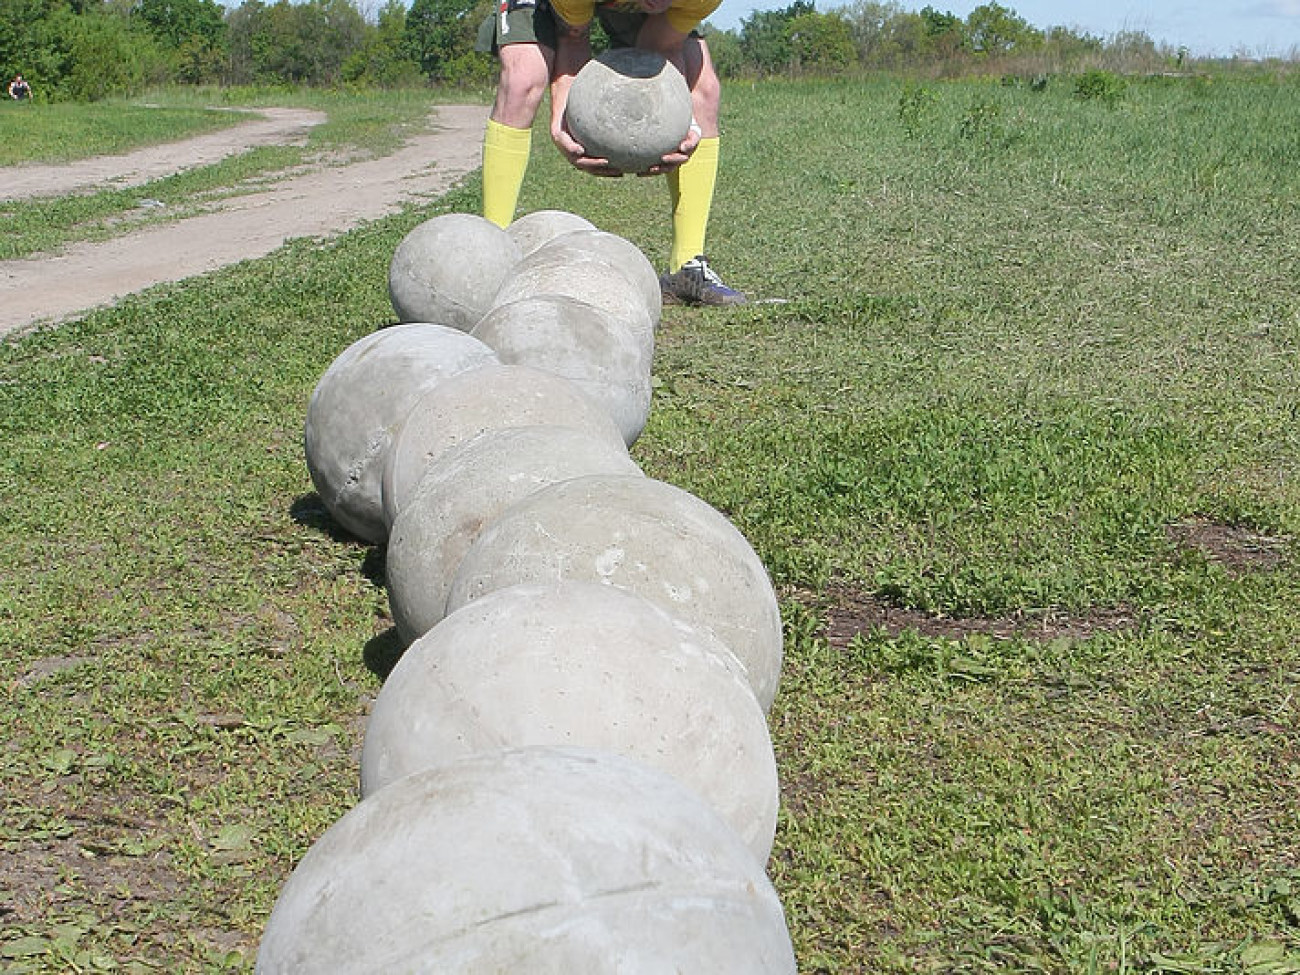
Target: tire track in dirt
[53, 287]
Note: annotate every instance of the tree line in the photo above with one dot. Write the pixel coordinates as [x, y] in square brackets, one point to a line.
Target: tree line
[90, 49]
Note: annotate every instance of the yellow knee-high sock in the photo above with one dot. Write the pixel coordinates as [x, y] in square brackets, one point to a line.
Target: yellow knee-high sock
[505, 160]
[691, 187]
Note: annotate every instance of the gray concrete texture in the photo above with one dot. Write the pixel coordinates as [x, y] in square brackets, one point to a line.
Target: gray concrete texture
[591, 278]
[471, 486]
[448, 269]
[648, 537]
[630, 106]
[548, 861]
[579, 342]
[611, 249]
[359, 401]
[586, 665]
[477, 401]
[532, 230]
[555, 596]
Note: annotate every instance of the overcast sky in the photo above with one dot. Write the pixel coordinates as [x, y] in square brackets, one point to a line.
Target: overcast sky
[1205, 27]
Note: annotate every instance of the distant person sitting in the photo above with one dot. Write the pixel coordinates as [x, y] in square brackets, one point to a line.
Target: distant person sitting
[19, 89]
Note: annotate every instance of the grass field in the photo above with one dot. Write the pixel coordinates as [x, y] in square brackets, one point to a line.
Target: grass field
[1020, 449]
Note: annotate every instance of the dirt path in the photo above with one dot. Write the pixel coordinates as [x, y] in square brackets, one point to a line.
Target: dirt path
[273, 127]
[50, 288]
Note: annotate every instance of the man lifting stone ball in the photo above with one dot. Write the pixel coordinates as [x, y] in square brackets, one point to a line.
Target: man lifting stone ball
[545, 43]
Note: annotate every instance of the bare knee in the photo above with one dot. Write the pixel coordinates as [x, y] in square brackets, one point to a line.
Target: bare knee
[706, 89]
[525, 73]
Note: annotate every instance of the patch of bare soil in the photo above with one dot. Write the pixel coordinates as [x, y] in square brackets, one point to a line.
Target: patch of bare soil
[85, 864]
[321, 203]
[849, 612]
[1237, 548]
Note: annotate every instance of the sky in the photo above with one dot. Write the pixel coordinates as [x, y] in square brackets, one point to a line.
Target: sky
[1207, 28]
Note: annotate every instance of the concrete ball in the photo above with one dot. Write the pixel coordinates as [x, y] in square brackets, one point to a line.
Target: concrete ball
[616, 250]
[477, 401]
[578, 342]
[471, 485]
[587, 278]
[534, 229]
[366, 391]
[645, 536]
[448, 270]
[630, 106]
[585, 665]
[537, 860]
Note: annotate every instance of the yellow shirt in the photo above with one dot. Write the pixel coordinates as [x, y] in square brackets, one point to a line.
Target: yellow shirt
[683, 15]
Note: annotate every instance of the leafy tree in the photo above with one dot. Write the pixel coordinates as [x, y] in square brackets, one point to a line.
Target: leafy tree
[995, 31]
[820, 43]
[197, 61]
[944, 32]
[22, 50]
[725, 50]
[889, 37]
[173, 22]
[76, 51]
[1066, 43]
[242, 23]
[383, 60]
[764, 39]
[343, 31]
[937, 23]
[99, 54]
[439, 33]
[303, 43]
[869, 24]
[193, 31]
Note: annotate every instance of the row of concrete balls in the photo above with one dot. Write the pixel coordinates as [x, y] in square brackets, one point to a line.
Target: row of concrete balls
[569, 768]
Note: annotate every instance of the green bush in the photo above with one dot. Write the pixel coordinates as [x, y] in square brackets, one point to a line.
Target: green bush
[820, 44]
[1100, 86]
[914, 105]
[105, 56]
[980, 120]
[725, 49]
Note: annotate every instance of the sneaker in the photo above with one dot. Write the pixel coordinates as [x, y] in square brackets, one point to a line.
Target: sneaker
[695, 283]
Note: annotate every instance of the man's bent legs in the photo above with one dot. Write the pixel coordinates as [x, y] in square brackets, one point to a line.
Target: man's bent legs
[507, 143]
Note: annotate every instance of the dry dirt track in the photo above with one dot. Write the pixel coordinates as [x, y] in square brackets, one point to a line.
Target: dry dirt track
[271, 126]
[328, 201]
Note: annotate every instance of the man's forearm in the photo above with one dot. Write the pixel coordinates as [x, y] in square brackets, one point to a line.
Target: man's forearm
[572, 51]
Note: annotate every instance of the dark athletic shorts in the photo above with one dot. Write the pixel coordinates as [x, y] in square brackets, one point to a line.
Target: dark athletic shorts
[533, 21]
[517, 22]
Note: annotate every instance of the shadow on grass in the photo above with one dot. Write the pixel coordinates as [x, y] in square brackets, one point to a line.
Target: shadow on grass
[382, 652]
[375, 566]
[310, 510]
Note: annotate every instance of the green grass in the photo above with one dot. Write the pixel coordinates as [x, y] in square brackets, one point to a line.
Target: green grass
[1036, 355]
[59, 132]
[357, 124]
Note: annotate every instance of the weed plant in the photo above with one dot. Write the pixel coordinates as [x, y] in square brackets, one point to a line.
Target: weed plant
[1018, 444]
